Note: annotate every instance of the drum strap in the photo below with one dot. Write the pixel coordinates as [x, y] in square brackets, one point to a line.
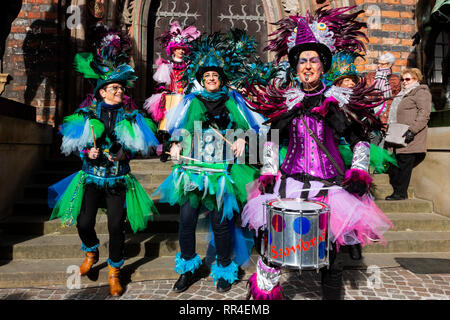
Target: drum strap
[282, 189]
[324, 149]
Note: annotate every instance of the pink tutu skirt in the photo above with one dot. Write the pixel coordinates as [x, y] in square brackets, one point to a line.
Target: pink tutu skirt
[353, 219]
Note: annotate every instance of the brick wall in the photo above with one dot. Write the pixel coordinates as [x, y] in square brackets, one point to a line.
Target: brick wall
[33, 58]
[37, 57]
[391, 27]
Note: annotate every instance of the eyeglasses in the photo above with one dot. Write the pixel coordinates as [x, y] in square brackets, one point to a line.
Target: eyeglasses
[405, 79]
[114, 89]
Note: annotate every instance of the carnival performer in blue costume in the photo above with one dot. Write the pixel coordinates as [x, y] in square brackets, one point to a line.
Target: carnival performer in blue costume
[107, 133]
[208, 177]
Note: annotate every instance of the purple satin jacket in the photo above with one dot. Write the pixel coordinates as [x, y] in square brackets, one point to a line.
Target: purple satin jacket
[305, 156]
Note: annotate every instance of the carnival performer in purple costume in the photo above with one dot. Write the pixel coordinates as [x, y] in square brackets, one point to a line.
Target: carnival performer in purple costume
[313, 117]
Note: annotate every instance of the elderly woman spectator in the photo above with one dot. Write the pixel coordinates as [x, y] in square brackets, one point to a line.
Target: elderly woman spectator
[386, 82]
[412, 106]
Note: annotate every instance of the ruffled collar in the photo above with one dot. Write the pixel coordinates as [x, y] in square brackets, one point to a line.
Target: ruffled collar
[213, 96]
[295, 95]
[179, 65]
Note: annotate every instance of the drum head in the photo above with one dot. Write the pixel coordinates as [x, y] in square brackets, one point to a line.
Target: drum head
[297, 205]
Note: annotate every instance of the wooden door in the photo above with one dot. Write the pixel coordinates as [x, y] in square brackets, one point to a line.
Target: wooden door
[248, 15]
[207, 16]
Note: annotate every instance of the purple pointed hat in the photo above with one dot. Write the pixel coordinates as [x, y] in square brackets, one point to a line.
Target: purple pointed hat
[314, 37]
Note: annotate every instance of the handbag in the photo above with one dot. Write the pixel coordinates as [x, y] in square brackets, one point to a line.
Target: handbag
[395, 134]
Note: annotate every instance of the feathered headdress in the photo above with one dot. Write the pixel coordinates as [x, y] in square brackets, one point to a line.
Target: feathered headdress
[230, 54]
[328, 31]
[108, 60]
[177, 37]
[342, 66]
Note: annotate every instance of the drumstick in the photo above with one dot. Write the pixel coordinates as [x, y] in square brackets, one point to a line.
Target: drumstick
[326, 188]
[220, 135]
[223, 136]
[184, 157]
[93, 136]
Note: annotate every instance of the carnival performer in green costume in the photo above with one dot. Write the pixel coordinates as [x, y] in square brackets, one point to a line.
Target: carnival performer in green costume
[207, 176]
[107, 132]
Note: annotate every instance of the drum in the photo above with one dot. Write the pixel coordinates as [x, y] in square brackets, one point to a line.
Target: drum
[296, 234]
[172, 99]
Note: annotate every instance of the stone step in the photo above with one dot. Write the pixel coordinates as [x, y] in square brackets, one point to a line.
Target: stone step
[61, 272]
[379, 179]
[32, 206]
[380, 192]
[64, 246]
[39, 206]
[67, 163]
[29, 273]
[150, 165]
[41, 225]
[168, 223]
[36, 190]
[408, 205]
[412, 241]
[413, 221]
[151, 178]
[51, 176]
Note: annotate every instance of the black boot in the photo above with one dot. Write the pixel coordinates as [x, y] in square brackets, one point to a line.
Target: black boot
[331, 293]
[183, 282]
[395, 196]
[355, 251]
[223, 285]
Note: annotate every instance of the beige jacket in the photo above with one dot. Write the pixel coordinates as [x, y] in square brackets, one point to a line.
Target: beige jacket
[414, 111]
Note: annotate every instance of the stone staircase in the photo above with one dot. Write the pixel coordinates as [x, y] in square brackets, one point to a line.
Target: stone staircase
[38, 252]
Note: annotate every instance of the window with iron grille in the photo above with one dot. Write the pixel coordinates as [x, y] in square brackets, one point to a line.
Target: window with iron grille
[440, 52]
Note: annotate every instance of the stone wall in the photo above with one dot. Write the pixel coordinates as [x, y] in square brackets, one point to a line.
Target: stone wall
[431, 178]
[24, 145]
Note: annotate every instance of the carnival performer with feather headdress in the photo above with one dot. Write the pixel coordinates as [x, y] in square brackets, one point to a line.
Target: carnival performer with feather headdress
[107, 131]
[170, 87]
[207, 176]
[312, 118]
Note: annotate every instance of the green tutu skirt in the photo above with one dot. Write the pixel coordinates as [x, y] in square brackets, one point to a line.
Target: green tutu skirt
[140, 208]
[219, 190]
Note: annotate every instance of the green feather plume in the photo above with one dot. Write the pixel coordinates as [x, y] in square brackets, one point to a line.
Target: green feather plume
[82, 64]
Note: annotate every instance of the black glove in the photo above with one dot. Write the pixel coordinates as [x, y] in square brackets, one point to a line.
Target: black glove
[164, 137]
[115, 148]
[409, 136]
[357, 187]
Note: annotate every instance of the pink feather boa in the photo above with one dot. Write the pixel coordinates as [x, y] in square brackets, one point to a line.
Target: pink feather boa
[259, 294]
[323, 108]
[357, 175]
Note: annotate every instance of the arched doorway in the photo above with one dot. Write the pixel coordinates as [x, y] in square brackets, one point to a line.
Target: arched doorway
[208, 16]
[152, 17]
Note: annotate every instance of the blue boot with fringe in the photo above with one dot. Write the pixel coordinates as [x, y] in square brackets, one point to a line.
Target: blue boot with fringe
[187, 269]
[225, 276]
